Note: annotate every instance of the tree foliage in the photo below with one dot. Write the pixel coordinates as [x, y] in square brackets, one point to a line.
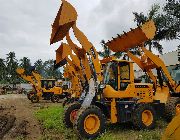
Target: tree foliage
[106, 52]
[9, 65]
[25, 63]
[3, 76]
[167, 22]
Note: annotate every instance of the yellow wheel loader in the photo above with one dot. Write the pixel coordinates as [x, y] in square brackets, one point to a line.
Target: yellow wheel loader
[76, 88]
[114, 96]
[42, 88]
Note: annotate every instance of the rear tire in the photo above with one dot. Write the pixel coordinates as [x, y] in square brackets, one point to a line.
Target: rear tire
[55, 98]
[170, 108]
[144, 116]
[69, 113]
[90, 122]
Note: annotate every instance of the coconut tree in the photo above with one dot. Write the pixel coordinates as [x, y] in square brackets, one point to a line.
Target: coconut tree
[2, 71]
[12, 64]
[25, 63]
[39, 67]
[106, 52]
[50, 72]
[167, 23]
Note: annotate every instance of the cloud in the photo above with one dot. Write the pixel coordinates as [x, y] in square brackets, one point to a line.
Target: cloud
[25, 25]
[114, 17]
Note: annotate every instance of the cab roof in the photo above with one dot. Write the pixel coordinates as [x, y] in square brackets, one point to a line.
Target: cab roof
[48, 79]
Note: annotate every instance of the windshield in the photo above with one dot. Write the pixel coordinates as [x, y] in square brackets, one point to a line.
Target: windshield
[110, 73]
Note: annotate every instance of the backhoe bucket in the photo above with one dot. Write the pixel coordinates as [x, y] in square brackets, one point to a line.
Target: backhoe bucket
[20, 71]
[65, 19]
[133, 38]
[61, 53]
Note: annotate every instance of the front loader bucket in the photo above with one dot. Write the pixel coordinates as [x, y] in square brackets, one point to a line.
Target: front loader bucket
[65, 19]
[61, 53]
[133, 38]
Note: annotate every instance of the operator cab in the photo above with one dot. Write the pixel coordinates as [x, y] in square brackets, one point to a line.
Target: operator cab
[48, 83]
[118, 73]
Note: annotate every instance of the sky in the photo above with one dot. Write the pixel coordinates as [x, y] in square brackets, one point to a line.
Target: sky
[25, 25]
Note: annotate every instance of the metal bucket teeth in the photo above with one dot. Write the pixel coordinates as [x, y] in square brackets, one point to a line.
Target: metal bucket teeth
[65, 19]
[133, 38]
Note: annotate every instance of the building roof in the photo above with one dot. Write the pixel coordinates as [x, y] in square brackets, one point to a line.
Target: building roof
[170, 58]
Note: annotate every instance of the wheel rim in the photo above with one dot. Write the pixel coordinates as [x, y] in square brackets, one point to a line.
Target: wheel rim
[177, 109]
[73, 115]
[91, 124]
[147, 117]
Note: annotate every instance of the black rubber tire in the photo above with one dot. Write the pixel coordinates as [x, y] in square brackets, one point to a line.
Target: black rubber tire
[79, 122]
[55, 98]
[137, 116]
[35, 99]
[170, 108]
[68, 109]
[29, 95]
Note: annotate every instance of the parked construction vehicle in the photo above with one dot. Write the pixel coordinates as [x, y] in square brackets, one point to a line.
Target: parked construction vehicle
[114, 96]
[42, 88]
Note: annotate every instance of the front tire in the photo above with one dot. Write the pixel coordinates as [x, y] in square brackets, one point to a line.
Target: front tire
[70, 113]
[35, 99]
[90, 122]
[30, 94]
[144, 117]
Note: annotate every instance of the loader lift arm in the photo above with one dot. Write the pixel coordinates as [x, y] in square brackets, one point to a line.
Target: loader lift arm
[60, 29]
[34, 78]
[147, 61]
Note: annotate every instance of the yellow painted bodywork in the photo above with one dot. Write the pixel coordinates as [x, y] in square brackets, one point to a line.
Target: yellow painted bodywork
[147, 61]
[172, 131]
[113, 111]
[66, 20]
[76, 86]
[133, 38]
[35, 79]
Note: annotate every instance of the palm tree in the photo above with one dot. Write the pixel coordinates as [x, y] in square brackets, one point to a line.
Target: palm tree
[12, 64]
[50, 72]
[167, 23]
[39, 66]
[153, 14]
[25, 63]
[106, 52]
[2, 71]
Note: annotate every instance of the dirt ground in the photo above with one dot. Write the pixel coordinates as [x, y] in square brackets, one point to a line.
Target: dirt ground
[16, 118]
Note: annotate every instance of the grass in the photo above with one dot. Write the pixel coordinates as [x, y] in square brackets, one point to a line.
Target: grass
[53, 128]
